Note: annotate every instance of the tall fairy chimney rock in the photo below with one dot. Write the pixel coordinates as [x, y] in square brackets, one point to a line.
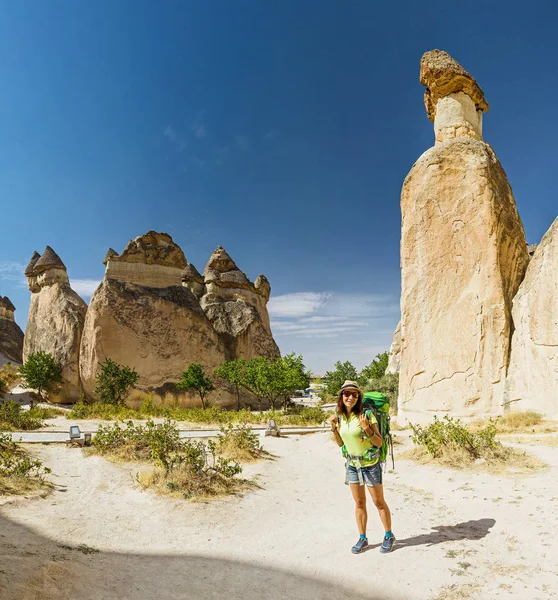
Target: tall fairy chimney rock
[11, 336]
[237, 308]
[463, 256]
[454, 102]
[55, 321]
[143, 317]
[533, 372]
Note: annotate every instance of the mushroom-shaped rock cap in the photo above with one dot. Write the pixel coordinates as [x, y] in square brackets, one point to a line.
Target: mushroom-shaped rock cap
[190, 273]
[6, 303]
[442, 75]
[49, 260]
[110, 253]
[153, 248]
[220, 261]
[32, 263]
[262, 286]
[222, 270]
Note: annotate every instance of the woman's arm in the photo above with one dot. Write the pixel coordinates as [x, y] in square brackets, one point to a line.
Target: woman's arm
[334, 422]
[371, 430]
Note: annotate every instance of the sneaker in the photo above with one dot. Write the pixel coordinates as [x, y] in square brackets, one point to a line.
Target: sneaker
[359, 546]
[387, 544]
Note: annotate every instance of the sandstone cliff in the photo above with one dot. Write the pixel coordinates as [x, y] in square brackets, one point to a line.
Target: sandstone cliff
[463, 256]
[11, 336]
[394, 360]
[533, 371]
[143, 317]
[237, 308]
[55, 321]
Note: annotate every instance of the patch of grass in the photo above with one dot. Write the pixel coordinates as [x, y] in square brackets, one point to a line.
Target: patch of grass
[527, 421]
[239, 444]
[19, 473]
[14, 485]
[213, 415]
[185, 483]
[502, 461]
[101, 410]
[13, 417]
[190, 469]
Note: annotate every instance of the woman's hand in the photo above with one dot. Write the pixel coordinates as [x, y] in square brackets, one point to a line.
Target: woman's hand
[334, 422]
[365, 424]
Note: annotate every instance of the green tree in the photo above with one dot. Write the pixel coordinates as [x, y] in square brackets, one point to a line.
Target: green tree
[376, 369]
[388, 384]
[194, 378]
[275, 379]
[336, 378]
[41, 372]
[233, 371]
[114, 382]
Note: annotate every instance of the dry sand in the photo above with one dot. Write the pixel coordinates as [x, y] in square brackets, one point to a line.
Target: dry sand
[460, 535]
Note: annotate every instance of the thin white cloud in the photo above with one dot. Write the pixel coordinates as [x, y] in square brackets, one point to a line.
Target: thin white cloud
[297, 304]
[175, 138]
[14, 272]
[242, 142]
[326, 327]
[197, 127]
[85, 287]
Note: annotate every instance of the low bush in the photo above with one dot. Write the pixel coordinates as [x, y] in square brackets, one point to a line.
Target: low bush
[239, 444]
[450, 433]
[450, 443]
[187, 468]
[13, 417]
[19, 473]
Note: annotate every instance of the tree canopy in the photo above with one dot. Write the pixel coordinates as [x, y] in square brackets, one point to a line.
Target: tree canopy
[194, 378]
[41, 372]
[114, 382]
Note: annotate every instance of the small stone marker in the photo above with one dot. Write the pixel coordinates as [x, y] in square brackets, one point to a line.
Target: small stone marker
[272, 429]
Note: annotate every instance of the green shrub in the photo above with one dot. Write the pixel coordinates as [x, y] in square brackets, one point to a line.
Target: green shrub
[14, 462]
[239, 444]
[161, 444]
[450, 433]
[12, 416]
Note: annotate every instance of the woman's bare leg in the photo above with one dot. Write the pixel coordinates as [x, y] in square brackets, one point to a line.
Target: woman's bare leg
[377, 493]
[359, 496]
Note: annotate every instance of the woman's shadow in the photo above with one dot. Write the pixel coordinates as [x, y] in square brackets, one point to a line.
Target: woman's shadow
[471, 530]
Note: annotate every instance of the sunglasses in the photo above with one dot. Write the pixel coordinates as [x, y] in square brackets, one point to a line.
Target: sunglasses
[348, 394]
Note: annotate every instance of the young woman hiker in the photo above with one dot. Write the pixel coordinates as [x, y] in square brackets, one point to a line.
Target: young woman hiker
[361, 437]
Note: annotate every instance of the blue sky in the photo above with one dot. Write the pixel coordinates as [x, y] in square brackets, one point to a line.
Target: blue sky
[280, 130]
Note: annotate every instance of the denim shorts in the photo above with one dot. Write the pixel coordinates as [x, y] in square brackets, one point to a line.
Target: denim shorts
[372, 475]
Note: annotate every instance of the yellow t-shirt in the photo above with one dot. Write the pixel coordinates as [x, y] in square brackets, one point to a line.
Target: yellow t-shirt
[356, 442]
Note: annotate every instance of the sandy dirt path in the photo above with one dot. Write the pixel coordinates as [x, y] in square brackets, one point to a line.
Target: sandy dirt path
[460, 535]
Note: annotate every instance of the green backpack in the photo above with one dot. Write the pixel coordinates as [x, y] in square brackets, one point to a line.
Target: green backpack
[378, 404]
